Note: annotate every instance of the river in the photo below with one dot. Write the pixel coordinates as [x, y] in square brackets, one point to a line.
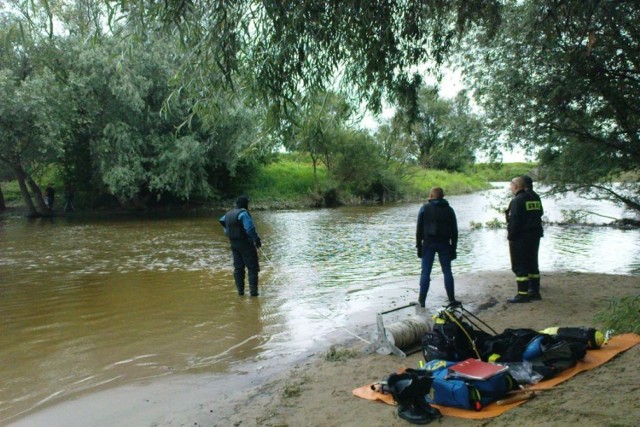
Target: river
[88, 304]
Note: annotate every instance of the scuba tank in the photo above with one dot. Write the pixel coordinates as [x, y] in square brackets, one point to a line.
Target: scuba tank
[592, 337]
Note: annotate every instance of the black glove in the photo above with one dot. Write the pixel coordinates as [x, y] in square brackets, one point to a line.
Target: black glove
[258, 243]
[419, 248]
[454, 254]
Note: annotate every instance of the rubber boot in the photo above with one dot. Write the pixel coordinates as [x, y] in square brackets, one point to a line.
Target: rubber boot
[534, 288]
[422, 298]
[523, 293]
[238, 277]
[253, 283]
[405, 389]
[452, 299]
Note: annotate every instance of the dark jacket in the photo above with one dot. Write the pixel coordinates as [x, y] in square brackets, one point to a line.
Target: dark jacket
[525, 215]
[437, 223]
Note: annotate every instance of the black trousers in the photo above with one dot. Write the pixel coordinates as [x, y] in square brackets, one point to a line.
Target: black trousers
[245, 256]
[524, 256]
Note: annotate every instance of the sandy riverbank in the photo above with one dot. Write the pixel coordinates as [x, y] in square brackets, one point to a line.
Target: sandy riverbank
[317, 392]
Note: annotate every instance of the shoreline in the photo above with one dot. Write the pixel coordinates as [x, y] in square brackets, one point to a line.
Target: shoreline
[317, 392]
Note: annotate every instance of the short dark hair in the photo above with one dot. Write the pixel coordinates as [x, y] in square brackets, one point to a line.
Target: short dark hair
[242, 202]
[528, 182]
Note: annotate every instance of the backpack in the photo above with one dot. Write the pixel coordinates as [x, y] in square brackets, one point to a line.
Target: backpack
[453, 336]
[466, 393]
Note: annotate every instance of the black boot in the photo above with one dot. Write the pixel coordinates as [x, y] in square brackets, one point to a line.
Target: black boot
[523, 293]
[253, 283]
[534, 288]
[422, 298]
[238, 277]
[409, 391]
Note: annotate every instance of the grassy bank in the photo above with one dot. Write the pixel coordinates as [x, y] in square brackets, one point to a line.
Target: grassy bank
[290, 182]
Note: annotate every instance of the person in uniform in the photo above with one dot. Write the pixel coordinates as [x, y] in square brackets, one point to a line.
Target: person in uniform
[244, 239]
[436, 233]
[534, 278]
[524, 230]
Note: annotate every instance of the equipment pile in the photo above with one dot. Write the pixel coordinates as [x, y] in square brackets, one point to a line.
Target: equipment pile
[505, 362]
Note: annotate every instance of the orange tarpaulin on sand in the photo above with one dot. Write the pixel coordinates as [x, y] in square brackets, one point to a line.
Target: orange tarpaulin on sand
[593, 359]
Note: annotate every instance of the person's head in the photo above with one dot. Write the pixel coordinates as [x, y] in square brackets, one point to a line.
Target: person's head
[436, 193]
[517, 184]
[242, 202]
[528, 182]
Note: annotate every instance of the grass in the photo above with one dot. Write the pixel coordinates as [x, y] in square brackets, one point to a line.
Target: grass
[11, 192]
[421, 181]
[621, 315]
[285, 180]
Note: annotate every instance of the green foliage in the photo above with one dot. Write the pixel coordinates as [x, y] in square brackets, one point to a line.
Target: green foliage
[498, 172]
[421, 181]
[11, 192]
[439, 133]
[572, 216]
[283, 180]
[621, 315]
[560, 80]
[279, 49]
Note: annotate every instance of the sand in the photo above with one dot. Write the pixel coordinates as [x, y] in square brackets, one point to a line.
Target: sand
[317, 392]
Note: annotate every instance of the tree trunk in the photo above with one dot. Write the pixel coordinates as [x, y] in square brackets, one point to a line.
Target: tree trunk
[3, 207]
[35, 189]
[21, 176]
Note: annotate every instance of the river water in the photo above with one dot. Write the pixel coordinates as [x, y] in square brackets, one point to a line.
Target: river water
[88, 304]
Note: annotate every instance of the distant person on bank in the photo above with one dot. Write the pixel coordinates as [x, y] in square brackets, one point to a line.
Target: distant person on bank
[69, 194]
[524, 230]
[436, 233]
[241, 231]
[50, 196]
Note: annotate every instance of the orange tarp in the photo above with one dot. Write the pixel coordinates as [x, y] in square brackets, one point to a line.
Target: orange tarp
[593, 359]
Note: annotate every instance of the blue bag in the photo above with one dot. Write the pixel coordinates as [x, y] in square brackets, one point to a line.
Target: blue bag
[466, 393]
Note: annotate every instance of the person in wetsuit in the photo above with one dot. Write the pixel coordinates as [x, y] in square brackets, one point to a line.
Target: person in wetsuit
[244, 239]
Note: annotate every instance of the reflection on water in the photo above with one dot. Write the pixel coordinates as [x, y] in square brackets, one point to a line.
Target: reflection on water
[90, 304]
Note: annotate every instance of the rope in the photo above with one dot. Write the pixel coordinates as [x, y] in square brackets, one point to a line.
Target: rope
[407, 332]
[455, 320]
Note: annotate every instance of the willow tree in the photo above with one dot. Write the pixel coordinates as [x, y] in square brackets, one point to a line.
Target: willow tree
[563, 80]
[280, 49]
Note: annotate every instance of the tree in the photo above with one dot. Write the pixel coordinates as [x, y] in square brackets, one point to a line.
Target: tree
[316, 128]
[563, 80]
[281, 48]
[102, 109]
[31, 132]
[441, 133]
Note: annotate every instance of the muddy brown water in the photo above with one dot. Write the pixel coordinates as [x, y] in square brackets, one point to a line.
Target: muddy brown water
[91, 304]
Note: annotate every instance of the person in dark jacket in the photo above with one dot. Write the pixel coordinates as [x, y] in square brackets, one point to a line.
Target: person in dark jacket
[524, 230]
[241, 231]
[534, 278]
[436, 233]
